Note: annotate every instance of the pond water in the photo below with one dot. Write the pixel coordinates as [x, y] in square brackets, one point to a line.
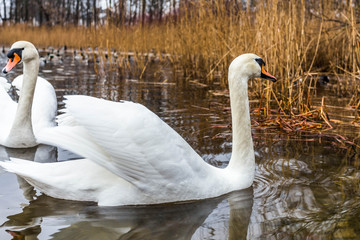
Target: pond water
[304, 188]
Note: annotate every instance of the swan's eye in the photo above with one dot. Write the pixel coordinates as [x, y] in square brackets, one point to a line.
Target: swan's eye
[15, 51]
[260, 62]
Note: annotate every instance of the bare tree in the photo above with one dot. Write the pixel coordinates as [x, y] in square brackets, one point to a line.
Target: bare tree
[94, 12]
[143, 8]
[118, 12]
[4, 18]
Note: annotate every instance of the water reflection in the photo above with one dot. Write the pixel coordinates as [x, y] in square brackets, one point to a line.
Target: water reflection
[49, 218]
[300, 191]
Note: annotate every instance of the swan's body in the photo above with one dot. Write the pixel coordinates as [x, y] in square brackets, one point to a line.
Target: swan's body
[133, 157]
[21, 122]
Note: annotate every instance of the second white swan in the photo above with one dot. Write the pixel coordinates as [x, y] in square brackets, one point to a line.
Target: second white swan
[21, 122]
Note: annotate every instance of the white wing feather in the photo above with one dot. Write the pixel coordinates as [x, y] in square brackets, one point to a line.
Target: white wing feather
[129, 140]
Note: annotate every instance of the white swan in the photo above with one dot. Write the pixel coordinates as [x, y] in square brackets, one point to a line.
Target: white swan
[133, 157]
[21, 122]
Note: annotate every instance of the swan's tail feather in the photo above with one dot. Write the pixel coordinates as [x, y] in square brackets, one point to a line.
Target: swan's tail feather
[17, 166]
[60, 180]
[29, 171]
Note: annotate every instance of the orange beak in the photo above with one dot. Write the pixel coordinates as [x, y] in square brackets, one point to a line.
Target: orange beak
[12, 63]
[266, 75]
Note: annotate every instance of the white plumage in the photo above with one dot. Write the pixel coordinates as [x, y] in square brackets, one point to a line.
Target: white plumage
[21, 122]
[133, 157]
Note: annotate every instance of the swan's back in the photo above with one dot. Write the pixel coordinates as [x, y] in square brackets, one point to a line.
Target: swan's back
[135, 144]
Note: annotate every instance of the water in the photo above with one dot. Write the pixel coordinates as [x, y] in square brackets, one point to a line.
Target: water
[304, 188]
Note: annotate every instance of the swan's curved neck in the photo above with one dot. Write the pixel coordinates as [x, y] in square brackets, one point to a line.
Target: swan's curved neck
[242, 157]
[21, 134]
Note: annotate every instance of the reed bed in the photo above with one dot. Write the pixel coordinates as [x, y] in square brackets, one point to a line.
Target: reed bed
[297, 39]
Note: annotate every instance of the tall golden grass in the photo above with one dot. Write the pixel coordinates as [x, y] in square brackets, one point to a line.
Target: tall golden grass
[297, 39]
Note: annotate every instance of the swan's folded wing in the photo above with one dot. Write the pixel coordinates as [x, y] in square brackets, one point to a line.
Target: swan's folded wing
[7, 109]
[65, 119]
[5, 84]
[5, 98]
[130, 141]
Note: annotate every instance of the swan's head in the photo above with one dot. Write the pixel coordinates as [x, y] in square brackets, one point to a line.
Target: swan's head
[21, 51]
[248, 66]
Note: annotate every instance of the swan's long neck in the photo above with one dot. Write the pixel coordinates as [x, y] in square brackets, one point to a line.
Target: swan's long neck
[242, 157]
[21, 134]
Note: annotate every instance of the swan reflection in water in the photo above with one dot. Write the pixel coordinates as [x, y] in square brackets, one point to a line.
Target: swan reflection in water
[288, 201]
[268, 211]
[49, 218]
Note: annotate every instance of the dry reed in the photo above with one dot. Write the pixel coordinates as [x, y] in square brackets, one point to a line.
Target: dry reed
[296, 38]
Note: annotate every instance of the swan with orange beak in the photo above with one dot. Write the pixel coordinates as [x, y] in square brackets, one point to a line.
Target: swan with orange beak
[36, 109]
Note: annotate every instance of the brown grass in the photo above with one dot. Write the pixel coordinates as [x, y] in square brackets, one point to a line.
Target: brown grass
[297, 39]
